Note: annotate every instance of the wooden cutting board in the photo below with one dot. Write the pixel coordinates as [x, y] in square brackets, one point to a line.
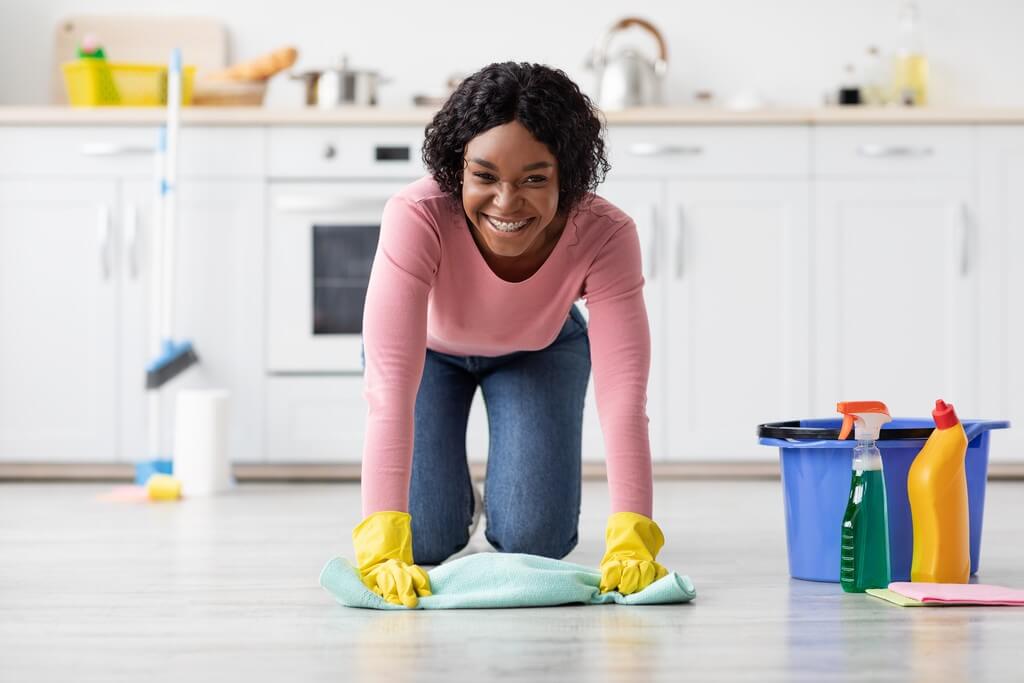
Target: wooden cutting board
[203, 42]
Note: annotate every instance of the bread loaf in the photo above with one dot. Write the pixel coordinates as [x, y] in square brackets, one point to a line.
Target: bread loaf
[258, 69]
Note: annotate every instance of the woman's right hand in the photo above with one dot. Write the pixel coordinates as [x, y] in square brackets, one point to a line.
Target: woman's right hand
[383, 544]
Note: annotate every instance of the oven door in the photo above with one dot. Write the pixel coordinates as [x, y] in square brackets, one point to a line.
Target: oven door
[321, 243]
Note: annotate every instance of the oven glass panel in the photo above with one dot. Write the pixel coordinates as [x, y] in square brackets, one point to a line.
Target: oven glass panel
[342, 256]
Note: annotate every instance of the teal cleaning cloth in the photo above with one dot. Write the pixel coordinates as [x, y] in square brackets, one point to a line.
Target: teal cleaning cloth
[490, 580]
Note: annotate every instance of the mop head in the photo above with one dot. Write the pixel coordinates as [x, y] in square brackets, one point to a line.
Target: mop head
[174, 360]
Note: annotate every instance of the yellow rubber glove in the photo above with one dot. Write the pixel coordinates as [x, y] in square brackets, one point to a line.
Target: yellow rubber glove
[632, 543]
[383, 543]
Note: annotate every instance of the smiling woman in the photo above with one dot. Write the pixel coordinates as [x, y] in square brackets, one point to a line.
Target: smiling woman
[473, 285]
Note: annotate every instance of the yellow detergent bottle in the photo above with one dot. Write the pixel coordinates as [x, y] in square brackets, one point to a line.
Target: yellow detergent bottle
[937, 487]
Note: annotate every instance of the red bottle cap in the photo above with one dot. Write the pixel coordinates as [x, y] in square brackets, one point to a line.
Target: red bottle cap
[945, 416]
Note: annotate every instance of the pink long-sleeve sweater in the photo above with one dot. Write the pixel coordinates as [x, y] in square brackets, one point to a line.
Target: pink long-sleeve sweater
[430, 287]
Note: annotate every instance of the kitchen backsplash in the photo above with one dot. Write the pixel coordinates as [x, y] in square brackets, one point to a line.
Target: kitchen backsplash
[790, 52]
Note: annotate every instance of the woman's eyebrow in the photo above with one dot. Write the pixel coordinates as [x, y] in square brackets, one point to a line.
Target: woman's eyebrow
[528, 167]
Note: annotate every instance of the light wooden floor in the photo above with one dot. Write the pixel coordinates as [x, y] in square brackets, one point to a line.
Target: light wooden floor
[225, 589]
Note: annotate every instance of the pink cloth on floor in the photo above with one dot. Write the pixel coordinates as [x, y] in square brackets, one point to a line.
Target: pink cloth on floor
[430, 287]
[959, 593]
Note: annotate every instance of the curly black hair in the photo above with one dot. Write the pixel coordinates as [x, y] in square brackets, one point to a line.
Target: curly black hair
[548, 104]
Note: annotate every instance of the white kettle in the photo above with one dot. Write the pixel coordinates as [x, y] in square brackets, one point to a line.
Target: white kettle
[629, 78]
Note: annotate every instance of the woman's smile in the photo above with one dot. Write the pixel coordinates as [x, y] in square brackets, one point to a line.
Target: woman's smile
[507, 225]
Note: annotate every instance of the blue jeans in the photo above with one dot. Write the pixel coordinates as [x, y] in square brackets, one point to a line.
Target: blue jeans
[534, 405]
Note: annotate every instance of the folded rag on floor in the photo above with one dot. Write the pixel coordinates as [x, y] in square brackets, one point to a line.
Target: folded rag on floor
[489, 580]
[908, 594]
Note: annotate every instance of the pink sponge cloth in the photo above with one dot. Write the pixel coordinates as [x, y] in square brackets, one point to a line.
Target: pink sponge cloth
[959, 593]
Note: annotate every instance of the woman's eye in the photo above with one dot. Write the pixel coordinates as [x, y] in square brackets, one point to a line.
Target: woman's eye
[487, 177]
[536, 179]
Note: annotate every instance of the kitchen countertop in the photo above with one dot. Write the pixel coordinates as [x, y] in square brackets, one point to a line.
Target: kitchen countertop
[259, 116]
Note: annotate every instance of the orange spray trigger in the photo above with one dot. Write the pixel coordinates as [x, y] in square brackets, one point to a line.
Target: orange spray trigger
[867, 416]
[847, 427]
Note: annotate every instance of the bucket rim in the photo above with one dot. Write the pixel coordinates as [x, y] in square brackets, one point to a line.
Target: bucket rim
[794, 430]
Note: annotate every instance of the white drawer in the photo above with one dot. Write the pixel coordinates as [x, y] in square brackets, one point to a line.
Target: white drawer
[128, 151]
[897, 151]
[319, 419]
[354, 152]
[709, 151]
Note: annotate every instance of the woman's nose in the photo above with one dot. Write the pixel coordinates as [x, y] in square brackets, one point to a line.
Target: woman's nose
[505, 195]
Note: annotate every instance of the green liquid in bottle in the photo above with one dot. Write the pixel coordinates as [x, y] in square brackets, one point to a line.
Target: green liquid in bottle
[864, 549]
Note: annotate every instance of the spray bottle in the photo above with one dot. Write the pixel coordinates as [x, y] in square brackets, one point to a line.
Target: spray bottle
[911, 68]
[937, 488]
[864, 550]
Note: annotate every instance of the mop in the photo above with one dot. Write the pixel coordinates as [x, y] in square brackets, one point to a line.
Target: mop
[171, 357]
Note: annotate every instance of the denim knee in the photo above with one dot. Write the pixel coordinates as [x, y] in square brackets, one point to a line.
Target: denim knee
[437, 544]
[537, 538]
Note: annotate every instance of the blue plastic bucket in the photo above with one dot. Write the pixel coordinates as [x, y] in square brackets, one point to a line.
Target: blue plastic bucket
[816, 485]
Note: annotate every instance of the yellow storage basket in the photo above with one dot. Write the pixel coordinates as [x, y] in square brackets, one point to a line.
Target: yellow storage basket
[97, 83]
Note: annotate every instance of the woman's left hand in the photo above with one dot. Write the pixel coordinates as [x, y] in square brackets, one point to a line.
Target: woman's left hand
[632, 543]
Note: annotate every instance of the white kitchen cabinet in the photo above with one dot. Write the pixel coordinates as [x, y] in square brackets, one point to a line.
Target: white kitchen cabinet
[896, 294]
[644, 201]
[60, 273]
[735, 259]
[76, 214]
[218, 306]
[727, 279]
[1000, 253]
[787, 267]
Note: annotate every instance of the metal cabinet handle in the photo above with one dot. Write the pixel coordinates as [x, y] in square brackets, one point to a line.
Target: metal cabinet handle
[131, 230]
[103, 234]
[965, 230]
[895, 151]
[680, 240]
[650, 149]
[652, 248]
[300, 204]
[110, 149]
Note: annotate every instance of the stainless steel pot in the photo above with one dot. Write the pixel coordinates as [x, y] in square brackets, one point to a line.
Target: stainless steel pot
[340, 86]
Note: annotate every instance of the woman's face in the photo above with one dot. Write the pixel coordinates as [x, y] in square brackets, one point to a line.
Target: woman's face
[510, 190]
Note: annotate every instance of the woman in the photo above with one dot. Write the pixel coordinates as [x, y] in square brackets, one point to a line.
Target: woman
[473, 283]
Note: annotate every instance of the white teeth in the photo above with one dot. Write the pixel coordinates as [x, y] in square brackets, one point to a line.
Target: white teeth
[507, 227]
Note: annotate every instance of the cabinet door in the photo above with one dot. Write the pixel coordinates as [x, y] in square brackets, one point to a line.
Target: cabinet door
[58, 284]
[218, 305]
[643, 200]
[895, 295]
[1000, 253]
[737, 308]
[136, 214]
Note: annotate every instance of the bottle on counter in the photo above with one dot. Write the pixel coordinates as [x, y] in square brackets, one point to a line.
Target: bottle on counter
[910, 75]
[876, 78]
[849, 88]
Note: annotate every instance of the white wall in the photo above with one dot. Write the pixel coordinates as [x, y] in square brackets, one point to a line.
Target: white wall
[790, 50]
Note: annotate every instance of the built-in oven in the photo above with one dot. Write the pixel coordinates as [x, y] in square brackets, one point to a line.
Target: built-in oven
[328, 186]
[321, 243]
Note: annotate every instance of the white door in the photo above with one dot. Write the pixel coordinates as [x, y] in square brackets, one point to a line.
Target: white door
[58, 297]
[895, 312]
[221, 299]
[737, 308]
[1001, 307]
[643, 200]
[218, 305]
